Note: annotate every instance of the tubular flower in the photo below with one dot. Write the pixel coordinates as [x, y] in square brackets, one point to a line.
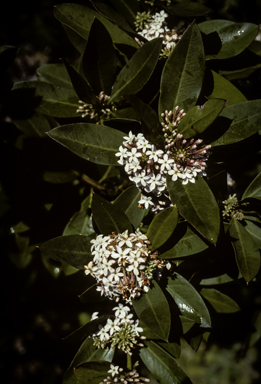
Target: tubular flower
[120, 377]
[101, 110]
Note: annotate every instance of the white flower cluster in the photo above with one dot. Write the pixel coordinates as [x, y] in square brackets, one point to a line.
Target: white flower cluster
[147, 165]
[122, 265]
[157, 27]
[120, 377]
[101, 110]
[122, 331]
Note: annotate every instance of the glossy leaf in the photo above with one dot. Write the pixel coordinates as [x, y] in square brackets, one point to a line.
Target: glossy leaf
[245, 121]
[54, 74]
[54, 101]
[86, 352]
[235, 37]
[173, 349]
[188, 300]
[197, 204]
[247, 252]
[163, 366]
[162, 227]
[189, 9]
[221, 88]
[127, 202]
[80, 18]
[99, 73]
[222, 279]
[108, 217]
[188, 245]
[219, 301]
[92, 372]
[186, 323]
[183, 73]
[74, 249]
[96, 143]
[255, 231]
[114, 16]
[254, 188]
[198, 118]
[137, 71]
[153, 310]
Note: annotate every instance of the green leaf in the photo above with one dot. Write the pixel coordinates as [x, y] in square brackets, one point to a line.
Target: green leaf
[137, 71]
[254, 188]
[80, 18]
[221, 88]
[92, 372]
[54, 74]
[127, 202]
[183, 73]
[197, 204]
[189, 9]
[245, 121]
[54, 101]
[163, 366]
[222, 279]
[197, 119]
[188, 245]
[127, 8]
[96, 143]
[99, 61]
[162, 227]
[188, 300]
[112, 15]
[247, 252]
[59, 177]
[186, 323]
[108, 217]
[36, 126]
[86, 352]
[74, 249]
[219, 301]
[255, 231]
[235, 37]
[153, 310]
[173, 349]
[81, 222]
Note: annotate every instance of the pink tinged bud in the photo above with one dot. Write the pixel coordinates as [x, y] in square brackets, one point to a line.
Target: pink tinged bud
[184, 141]
[180, 155]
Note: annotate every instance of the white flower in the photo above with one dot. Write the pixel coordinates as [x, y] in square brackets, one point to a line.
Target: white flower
[129, 138]
[154, 153]
[103, 334]
[165, 163]
[155, 181]
[175, 173]
[112, 326]
[114, 370]
[121, 310]
[146, 200]
[133, 155]
[95, 315]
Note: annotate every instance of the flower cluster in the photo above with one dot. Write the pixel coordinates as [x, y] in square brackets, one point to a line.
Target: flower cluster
[122, 331]
[120, 377]
[232, 208]
[154, 26]
[147, 165]
[101, 110]
[122, 265]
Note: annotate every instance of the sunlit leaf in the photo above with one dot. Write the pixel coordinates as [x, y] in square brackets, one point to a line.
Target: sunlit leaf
[219, 301]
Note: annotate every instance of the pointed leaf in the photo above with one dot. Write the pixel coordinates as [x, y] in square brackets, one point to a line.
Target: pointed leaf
[81, 222]
[163, 366]
[92, 372]
[127, 8]
[255, 231]
[183, 73]
[153, 310]
[74, 249]
[127, 202]
[162, 227]
[36, 126]
[108, 217]
[197, 204]
[197, 119]
[245, 121]
[219, 301]
[189, 9]
[54, 74]
[247, 252]
[254, 188]
[96, 143]
[137, 71]
[111, 14]
[188, 300]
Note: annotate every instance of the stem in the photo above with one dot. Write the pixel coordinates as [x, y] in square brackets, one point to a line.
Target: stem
[129, 363]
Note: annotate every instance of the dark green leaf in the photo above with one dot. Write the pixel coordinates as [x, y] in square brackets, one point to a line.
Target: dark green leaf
[77, 41]
[188, 300]
[247, 252]
[92, 372]
[113, 15]
[138, 70]
[219, 301]
[96, 143]
[86, 352]
[186, 323]
[255, 231]
[183, 73]
[254, 188]
[245, 121]
[99, 61]
[54, 74]
[153, 310]
[108, 217]
[74, 249]
[197, 204]
[54, 101]
[127, 8]
[35, 126]
[197, 119]
[189, 9]
[127, 202]
[163, 366]
[162, 227]
[59, 177]
[173, 349]
[222, 279]
[235, 37]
